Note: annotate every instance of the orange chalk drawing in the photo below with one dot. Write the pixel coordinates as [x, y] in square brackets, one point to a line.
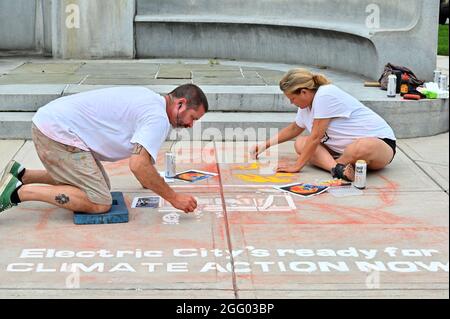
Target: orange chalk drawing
[303, 190]
[277, 178]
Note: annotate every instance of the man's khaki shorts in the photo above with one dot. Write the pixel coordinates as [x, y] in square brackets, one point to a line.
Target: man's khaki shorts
[69, 165]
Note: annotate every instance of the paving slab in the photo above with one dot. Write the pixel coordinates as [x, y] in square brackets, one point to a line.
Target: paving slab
[9, 149]
[157, 241]
[118, 80]
[41, 78]
[300, 245]
[7, 65]
[346, 294]
[442, 64]
[159, 249]
[314, 246]
[208, 66]
[227, 81]
[126, 69]
[115, 294]
[217, 74]
[28, 157]
[47, 68]
[176, 71]
[431, 154]
[269, 77]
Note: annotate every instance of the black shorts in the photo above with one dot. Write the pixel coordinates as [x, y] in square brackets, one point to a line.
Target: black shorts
[392, 144]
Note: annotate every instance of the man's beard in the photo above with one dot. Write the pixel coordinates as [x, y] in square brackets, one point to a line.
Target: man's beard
[179, 123]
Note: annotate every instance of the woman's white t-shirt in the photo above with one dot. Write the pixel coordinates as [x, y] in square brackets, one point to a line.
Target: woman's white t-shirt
[107, 122]
[351, 119]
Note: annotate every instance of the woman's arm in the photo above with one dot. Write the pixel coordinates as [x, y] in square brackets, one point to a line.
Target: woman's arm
[286, 134]
[320, 127]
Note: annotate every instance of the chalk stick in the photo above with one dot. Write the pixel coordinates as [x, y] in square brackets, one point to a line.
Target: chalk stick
[372, 84]
[117, 214]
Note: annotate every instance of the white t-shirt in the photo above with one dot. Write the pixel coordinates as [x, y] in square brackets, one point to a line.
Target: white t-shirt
[351, 119]
[107, 122]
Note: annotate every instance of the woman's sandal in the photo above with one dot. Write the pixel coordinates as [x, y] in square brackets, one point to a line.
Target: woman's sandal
[345, 172]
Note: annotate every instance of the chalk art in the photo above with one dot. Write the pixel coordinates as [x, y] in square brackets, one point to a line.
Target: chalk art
[248, 167]
[238, 203]
[277, 178]
[171, 219]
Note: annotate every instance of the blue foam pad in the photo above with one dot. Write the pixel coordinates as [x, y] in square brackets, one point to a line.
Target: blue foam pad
[117, 214]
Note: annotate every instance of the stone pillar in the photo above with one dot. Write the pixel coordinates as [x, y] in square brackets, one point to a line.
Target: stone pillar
[86, 29]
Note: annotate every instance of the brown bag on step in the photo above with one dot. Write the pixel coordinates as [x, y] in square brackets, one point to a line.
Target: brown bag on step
[398, 71]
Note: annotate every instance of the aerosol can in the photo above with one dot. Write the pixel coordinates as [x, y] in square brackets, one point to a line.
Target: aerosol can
[360, 174]
[170, 165]
[392, 86]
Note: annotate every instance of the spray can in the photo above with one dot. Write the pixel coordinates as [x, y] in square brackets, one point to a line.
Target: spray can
[360, 174]
[392, 85]
[170, 165]
[443, 82]
[437, 74]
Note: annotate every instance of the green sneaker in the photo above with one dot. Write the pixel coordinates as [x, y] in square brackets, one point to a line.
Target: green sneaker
[8, 185]
[14, 168]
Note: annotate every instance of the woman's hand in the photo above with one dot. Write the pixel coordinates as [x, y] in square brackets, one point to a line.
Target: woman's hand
[256, 150]
[288, 168]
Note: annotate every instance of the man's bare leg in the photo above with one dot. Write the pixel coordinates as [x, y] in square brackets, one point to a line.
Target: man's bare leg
[374, 151]
[37, 177]
[64, 196]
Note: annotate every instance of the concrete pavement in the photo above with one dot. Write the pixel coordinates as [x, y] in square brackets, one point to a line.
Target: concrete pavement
[390, 242]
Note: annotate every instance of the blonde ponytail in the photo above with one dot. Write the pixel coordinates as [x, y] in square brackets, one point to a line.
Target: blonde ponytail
[297, 79]
[320, 80]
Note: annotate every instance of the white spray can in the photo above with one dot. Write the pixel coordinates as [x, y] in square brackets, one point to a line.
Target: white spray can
[360, 174]
[392, 86]
[170, 171]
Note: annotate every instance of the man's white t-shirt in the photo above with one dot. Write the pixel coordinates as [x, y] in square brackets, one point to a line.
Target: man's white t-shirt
[107, 122]
[351, 119]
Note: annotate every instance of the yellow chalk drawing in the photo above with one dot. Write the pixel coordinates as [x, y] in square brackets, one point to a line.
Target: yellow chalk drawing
[249, 167]
[277, 178]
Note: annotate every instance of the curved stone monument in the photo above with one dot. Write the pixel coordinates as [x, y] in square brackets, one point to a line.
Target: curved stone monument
[359, 36]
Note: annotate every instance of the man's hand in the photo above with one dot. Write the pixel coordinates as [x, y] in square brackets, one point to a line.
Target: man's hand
[141, 166]
[288, 168]
[186, 203]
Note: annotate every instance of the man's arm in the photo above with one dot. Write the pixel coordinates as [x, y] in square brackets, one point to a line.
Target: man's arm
[319, 129]
[148, 176]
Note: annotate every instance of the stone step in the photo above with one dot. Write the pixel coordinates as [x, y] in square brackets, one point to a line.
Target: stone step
[412, 120]
[213, 126]
[30, 97]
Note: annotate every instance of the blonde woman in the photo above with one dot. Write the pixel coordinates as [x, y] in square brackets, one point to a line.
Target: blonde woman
[342, 130]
